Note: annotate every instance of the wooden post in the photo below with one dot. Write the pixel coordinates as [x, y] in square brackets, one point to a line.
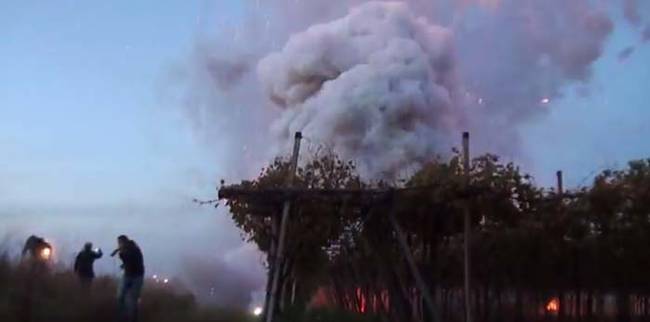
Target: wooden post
[275, 227]
[293, 292]
[279, 256]
[422, 286]
[466, 168]
[560, 192]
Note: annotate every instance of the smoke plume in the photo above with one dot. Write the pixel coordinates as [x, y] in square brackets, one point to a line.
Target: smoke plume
[389, 88]
[637, 14]
[630, 11]
[391, 83]
[378, 85]
[229, 281]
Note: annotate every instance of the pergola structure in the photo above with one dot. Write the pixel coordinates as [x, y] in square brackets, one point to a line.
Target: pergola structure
[364, 198]
[367, 198]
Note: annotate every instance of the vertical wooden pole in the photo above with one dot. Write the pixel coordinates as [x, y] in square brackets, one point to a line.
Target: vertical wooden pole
[466, 168]
[275, 228]
[562, 303]
[293, 292]
[422, 286]
[279, 255]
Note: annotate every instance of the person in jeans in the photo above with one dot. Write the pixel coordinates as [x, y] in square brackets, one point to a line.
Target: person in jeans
[131, 284]
[83, 264]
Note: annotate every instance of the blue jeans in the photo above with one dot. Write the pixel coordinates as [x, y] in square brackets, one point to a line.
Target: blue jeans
[128, 294]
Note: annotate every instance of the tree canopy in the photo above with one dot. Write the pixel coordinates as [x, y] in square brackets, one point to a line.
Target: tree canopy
[530, 244]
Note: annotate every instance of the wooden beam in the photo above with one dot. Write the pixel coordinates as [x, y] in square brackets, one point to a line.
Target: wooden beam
[406, 252]
[284, 221]
[468, 232]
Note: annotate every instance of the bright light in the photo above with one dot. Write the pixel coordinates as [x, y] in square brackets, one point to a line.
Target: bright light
[46, 253]
[545, 100]
[257, 311]
[165, 281]
[155, 277]
[553, 305]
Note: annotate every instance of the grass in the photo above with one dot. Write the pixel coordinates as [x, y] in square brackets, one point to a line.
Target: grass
[30, 294]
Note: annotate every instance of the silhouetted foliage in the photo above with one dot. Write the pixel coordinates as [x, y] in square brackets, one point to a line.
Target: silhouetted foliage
[585, 249]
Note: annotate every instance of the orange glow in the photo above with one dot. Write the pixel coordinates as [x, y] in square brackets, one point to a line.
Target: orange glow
[358, 301]
[362, 301]
[46, 253]
[320, 299]
[553, 305]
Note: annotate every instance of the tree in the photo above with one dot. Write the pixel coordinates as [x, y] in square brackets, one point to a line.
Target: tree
[530, 244]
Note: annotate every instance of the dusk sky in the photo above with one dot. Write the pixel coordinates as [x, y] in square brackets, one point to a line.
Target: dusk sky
[90, 148]
[91, 145]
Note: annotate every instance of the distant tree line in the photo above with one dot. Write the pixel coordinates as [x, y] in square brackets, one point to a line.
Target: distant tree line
[537, 255]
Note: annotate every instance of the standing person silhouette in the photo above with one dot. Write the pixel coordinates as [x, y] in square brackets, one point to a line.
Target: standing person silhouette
[132, 280]
[83, 264]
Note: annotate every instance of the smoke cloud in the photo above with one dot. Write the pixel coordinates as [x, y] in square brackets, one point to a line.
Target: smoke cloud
[229, 281]
[637, 14]
[630, 11]
[378, 85]
[389, 88]
[390, 84]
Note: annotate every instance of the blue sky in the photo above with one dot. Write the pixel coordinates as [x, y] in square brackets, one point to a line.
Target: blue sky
[585, 135]
[81, 114]
[89, 146]
[85, 131]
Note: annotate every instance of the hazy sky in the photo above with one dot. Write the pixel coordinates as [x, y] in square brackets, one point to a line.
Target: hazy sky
[606, 129]
[90, 147]
[81, 114]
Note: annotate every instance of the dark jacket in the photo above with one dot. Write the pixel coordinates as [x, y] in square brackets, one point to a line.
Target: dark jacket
[132, 261]
[83, 265]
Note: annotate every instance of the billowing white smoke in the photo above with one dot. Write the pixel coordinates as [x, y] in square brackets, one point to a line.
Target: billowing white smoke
[518, 58]
[387, 85]
[490, 67]
[378, 86]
